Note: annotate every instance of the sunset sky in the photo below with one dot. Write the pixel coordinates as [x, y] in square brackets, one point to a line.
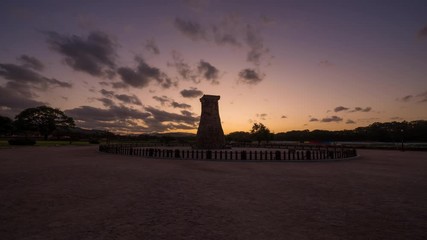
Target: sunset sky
[141, 66]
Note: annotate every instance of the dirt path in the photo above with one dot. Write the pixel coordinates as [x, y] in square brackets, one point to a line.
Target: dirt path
[79, 193]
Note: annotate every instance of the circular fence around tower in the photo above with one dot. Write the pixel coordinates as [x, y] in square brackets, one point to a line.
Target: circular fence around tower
[314, 153]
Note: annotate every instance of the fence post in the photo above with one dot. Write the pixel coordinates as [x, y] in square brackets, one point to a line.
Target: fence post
[330, 154]
[243, 155]
[308, 154]
[278, 157]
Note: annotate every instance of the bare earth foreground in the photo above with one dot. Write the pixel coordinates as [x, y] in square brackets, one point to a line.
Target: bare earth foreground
[79, 193]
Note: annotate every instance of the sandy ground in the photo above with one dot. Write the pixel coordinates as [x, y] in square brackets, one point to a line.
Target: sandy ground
[79, 193]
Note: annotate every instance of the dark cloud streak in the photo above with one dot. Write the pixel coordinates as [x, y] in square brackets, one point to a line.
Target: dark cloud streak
[152, 47]
[184, 70]
[170, 102]
[128, 99]
[95, 55]
[15, 102]
[331, 119]
[191, 93]
[143, 75]
[27, 79]
[256, 45]
[191, 29]
[208, 71]
[31, 62]
[422, 33]
[250, 76]
[340, 108]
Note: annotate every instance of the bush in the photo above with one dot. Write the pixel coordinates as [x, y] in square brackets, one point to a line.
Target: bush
[22, 141]
[93, 141]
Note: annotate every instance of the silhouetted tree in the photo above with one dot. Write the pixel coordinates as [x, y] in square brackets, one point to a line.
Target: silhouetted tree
[6, 125]
[260, 132]
[239, 136]
[43, 119]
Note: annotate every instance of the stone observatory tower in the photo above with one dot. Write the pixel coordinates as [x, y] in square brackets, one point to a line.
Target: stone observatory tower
[210, 134]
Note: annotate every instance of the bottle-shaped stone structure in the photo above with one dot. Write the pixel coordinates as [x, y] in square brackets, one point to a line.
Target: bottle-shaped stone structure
[210, 134]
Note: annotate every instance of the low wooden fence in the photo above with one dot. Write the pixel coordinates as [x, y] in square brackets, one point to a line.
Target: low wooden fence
[229, 154]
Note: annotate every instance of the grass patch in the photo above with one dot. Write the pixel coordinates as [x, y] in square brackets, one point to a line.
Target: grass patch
[41, 143]
[50, 143]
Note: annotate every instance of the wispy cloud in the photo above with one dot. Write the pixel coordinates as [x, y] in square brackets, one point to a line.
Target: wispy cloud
[349, 121]
[267, 20]
[204, 70]
[163, 116]
[229, 31]
[107, 102]
[162, 99]
[406, 98]
[183, 68]
[325, 63]
[95, 54]
[180, 105]
[420, 98]
[208, 71]
[90, 114]
[121, 118]
[331, 119]
[143, 75]
[340, 108]
[422, 33]
[152, 47]
[226, 31]
[262, 116]
[250, 76]
[166, 101]
[257, 50]
[191, 93]
[128, 99]
[31, 62]
[12, 102]
[359, 109]
[124, 98]
[28, 77]
[191, 29]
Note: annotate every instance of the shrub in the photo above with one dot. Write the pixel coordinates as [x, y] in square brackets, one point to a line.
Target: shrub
[93, 141]
[22, 141]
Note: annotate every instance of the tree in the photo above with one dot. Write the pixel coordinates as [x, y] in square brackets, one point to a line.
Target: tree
[260, 132]
[239, 136]
[43, 119]
[6, 125]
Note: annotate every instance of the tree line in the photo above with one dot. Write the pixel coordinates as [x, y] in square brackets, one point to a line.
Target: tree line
[46, 121]
[414, 131]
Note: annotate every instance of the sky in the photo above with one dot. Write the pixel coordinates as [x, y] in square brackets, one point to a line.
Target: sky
[142, 66]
